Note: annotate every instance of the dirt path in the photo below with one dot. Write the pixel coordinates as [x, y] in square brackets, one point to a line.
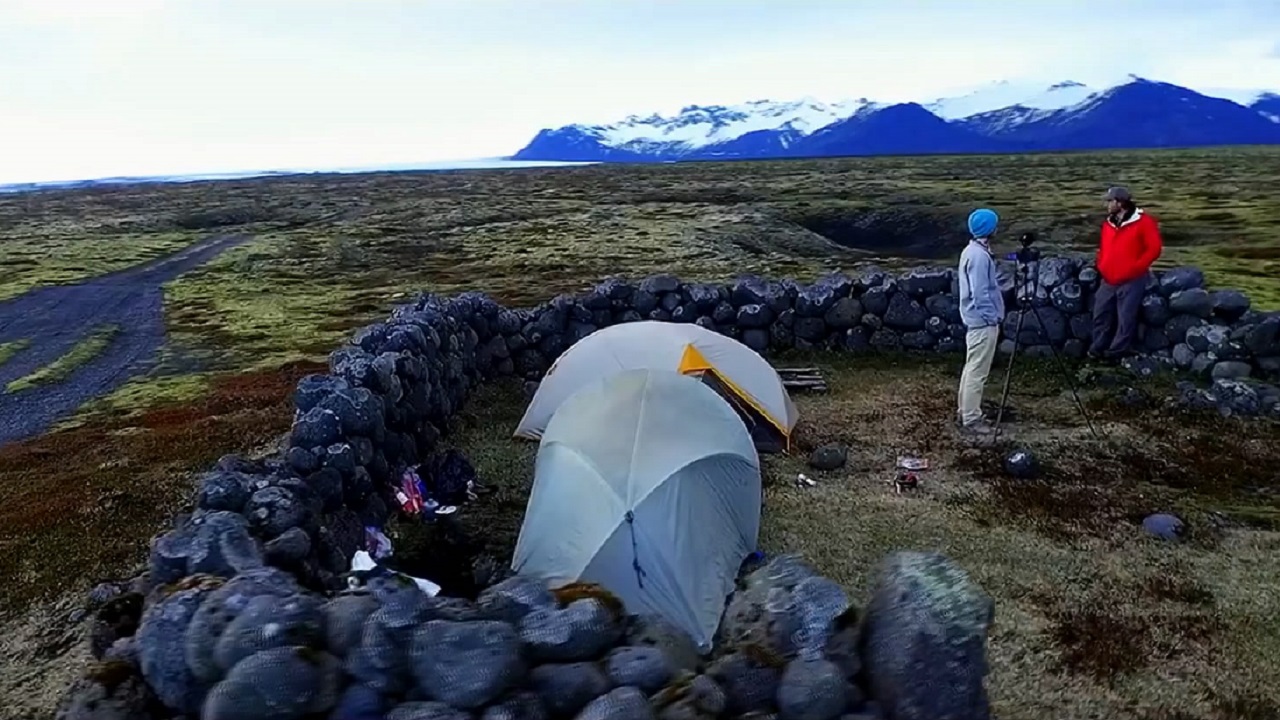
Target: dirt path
[53, 319]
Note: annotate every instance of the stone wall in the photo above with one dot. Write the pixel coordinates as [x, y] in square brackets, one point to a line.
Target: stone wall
[245, 608]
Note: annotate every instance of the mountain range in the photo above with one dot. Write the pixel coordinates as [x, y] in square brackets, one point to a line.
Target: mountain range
[1001, 118]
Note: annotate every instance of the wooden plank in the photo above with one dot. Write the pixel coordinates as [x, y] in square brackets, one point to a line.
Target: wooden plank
[807, 387]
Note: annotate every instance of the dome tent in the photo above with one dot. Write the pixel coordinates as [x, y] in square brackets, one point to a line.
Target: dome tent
[647, 484]
[740, 375]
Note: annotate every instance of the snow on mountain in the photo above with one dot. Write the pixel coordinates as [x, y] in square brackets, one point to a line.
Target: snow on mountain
[1004, 94]
[1240, 96]
[1267, 103]
[700, 126]
[999, 117]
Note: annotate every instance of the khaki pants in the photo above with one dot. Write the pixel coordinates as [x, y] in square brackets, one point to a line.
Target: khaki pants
[980, 344]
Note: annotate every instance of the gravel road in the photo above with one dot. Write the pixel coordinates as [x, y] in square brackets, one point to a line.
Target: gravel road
[52, 319]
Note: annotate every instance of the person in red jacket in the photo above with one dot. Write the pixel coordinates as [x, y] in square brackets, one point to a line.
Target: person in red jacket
[1130, 243]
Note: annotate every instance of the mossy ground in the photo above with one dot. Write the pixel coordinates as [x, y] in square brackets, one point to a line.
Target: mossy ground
[82, 352]
[333, 252]
[9, 349]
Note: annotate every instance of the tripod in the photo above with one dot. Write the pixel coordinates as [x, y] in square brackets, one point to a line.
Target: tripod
[1025, 282]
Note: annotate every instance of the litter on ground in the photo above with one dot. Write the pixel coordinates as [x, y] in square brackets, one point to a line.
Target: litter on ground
[362, 565]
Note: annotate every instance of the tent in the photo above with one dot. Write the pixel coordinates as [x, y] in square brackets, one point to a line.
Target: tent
[647, 484]
[743, 378]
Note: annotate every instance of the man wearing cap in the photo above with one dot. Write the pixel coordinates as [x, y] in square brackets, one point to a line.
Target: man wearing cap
[1130, 243]
[982, 311]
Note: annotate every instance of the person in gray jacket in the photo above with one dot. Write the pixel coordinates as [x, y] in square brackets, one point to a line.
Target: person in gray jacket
[982, 311]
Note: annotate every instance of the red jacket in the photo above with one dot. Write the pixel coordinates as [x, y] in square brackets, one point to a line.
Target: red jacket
[1127, 250]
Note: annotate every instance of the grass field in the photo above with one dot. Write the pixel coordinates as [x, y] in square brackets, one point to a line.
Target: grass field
[333, 252]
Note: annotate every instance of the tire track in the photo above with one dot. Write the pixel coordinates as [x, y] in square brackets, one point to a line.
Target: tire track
[56, 317]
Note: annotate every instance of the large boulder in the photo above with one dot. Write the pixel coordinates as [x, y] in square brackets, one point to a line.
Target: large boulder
[466, 664]
[927, 619]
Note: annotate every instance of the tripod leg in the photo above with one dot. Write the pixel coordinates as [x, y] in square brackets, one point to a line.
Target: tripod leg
[1008, 374]
[1066, 372]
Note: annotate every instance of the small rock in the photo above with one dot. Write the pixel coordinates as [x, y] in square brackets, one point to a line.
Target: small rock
[426, 711]
[1164, 526]
[285, 683]
[1230, 370]
[267, 622]
[520, 706]
[466, 664]
[1021, 464]
[813, 690]
[513, 598]
[643, 667]
[566, 689]
[581, 631]
[1195, 301]
[650, 630]
[749, 685]
[291, 547]
[831, 456]
[625, 703]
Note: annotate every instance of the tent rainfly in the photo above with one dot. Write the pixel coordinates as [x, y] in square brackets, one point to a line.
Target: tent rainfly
[647, 484]
[743, 378]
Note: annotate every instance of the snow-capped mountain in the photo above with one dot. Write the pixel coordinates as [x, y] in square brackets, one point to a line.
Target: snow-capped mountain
[1004, 95]
[717, 129]
[1001, 117]
[1269, 105]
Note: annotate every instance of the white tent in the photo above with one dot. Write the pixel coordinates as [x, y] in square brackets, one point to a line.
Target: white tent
[648, 484]
[741, 375]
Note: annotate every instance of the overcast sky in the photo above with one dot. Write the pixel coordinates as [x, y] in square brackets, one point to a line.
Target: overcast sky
[90, 88]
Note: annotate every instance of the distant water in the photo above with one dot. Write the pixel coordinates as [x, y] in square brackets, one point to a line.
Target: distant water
[478, 164]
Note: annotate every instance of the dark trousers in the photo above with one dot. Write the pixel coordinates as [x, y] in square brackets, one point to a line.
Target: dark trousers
[1115, 315]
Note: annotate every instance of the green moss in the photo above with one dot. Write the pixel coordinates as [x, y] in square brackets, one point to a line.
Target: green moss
[83, 351]
[62, 252]
[1252, 269]
[139, 395]
[9, 349]
[951, 593]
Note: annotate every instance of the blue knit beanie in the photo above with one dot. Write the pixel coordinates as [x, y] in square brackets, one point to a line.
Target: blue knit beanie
[982, 223]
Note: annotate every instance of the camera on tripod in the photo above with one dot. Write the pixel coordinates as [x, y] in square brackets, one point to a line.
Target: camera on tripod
[1027, 254]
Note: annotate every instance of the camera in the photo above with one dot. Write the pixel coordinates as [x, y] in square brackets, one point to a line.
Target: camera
[1027, 254]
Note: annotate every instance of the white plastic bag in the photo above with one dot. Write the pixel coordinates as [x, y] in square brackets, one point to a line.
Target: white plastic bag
[362, 561]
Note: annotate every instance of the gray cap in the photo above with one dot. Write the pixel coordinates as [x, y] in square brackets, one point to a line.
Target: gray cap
[1117, 193]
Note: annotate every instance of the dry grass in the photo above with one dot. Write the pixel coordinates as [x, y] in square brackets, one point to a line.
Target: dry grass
[119, 482]
[1094, 618]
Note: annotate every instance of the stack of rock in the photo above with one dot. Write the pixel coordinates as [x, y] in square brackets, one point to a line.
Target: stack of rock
[260, 646]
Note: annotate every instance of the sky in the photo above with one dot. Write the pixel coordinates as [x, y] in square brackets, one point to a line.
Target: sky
[94, 88]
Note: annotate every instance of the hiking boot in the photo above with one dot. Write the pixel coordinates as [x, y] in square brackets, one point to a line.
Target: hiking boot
[978, 427]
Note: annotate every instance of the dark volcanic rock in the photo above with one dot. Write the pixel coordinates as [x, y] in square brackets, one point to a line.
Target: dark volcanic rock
[926, 618]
